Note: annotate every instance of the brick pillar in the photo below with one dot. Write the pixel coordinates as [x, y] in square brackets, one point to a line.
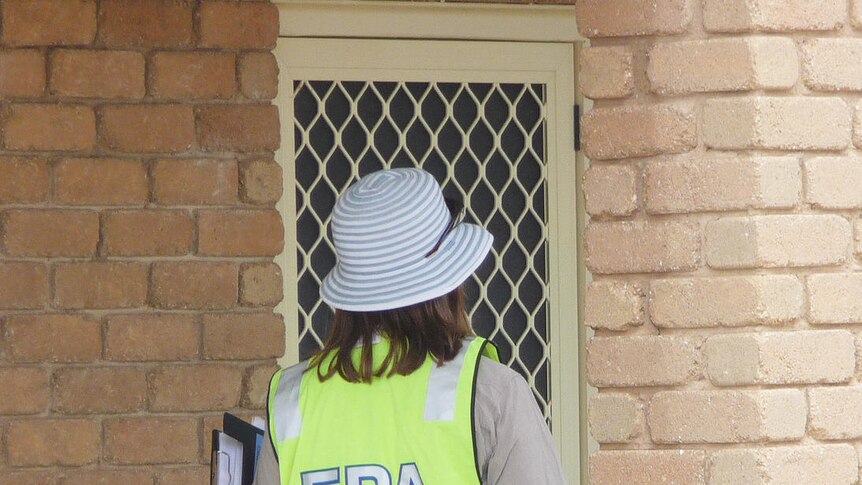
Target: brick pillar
[137, 234]
[724, 192]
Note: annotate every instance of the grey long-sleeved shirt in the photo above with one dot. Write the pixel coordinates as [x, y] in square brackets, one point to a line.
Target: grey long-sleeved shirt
[513, 443]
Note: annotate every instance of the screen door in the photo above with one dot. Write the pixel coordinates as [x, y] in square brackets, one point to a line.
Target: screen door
[492, 121]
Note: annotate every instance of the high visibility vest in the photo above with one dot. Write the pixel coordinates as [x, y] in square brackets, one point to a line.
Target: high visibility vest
[399, 430]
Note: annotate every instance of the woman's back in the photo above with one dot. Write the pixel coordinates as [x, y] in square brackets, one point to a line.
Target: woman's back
[426, 409]
[513, 444]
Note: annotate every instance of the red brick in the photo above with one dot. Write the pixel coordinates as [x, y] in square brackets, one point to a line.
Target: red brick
[25, 390]
[133, 441]
[193, 75]
[49, 22]
[100, 390]
[101, 284]
[146, 23]
[618, 467]
[23, 285]
[30, 477]
[261, 182]
[656, 246]
[148, 128]
[167, 337]
[261, 284]
[196, 388]
[148, 233]
[100, 181]
[243, 128]
[197, 284]
[240, 233]
[22, 73]
[600, 18]
[258, 75]
[639, 131]
[241, 336]
[25, 180]
[195, 182]
[677, 417]
[52, 338]
[606, 72]
[50, 233]
[631, 361]
[107, 477]
[243, 25]
[184, 475]
[46, 442]
[97, 74]
[50, 127]
[255, 386]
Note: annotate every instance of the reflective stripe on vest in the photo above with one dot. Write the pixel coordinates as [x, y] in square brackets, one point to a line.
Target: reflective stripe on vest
[287, 401]
[400, 430]
[443, 387]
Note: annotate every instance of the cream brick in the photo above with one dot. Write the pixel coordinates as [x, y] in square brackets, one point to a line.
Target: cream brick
[611, 190]
[835, 298]
[773, 15]
[802, 357]
[614, 305]
[809, 465]
[834, 182]
[836, 413]
[857, 125]
[606, 72]
[856, 13]
[615, 418]
[600, 18]
[676, 417]
[641, 361]
[725, 302]
[859, 353]
[777, 241]
[721, 183]
[642, 247]
[665, 467]
[737, 64]
[638, 131]
[774, 123]
[858, 238]
[832, 64]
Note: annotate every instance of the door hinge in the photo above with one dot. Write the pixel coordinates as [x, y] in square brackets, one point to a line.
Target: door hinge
[577, 126]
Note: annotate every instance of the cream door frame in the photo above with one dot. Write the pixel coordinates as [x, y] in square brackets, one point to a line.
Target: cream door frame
[427, 20]
[553, 25]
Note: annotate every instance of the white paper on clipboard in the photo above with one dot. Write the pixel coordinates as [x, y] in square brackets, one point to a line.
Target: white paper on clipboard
[228, 459]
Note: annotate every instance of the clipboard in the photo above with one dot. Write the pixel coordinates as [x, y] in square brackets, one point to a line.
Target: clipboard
[251, 438]
[226, 466]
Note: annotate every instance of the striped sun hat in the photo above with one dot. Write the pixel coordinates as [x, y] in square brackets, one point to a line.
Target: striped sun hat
[385, 227]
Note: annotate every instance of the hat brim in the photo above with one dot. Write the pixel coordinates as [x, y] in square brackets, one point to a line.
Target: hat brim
[461, 253]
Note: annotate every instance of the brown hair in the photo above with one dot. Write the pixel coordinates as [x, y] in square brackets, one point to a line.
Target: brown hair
[434, 327]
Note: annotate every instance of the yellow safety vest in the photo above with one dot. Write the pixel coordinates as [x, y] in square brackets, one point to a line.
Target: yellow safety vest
[400, 430]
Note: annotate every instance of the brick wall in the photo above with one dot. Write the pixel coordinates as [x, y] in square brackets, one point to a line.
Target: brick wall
[725, 195]
[137, 233]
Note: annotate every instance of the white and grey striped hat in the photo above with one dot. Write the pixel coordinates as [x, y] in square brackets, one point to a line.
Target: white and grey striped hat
[383, 228]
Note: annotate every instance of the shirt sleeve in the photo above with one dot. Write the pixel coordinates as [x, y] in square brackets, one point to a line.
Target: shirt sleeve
[523, 450]
[266, 472]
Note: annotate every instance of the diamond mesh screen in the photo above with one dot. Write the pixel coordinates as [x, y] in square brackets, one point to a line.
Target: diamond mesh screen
[484, 142]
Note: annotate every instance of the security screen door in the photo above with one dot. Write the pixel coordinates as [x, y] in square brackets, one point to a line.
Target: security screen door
[492, 121]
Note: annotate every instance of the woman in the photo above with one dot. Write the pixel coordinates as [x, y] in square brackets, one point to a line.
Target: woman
[403, 393]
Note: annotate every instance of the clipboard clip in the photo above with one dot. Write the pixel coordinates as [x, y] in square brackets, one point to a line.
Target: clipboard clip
[216, 466]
